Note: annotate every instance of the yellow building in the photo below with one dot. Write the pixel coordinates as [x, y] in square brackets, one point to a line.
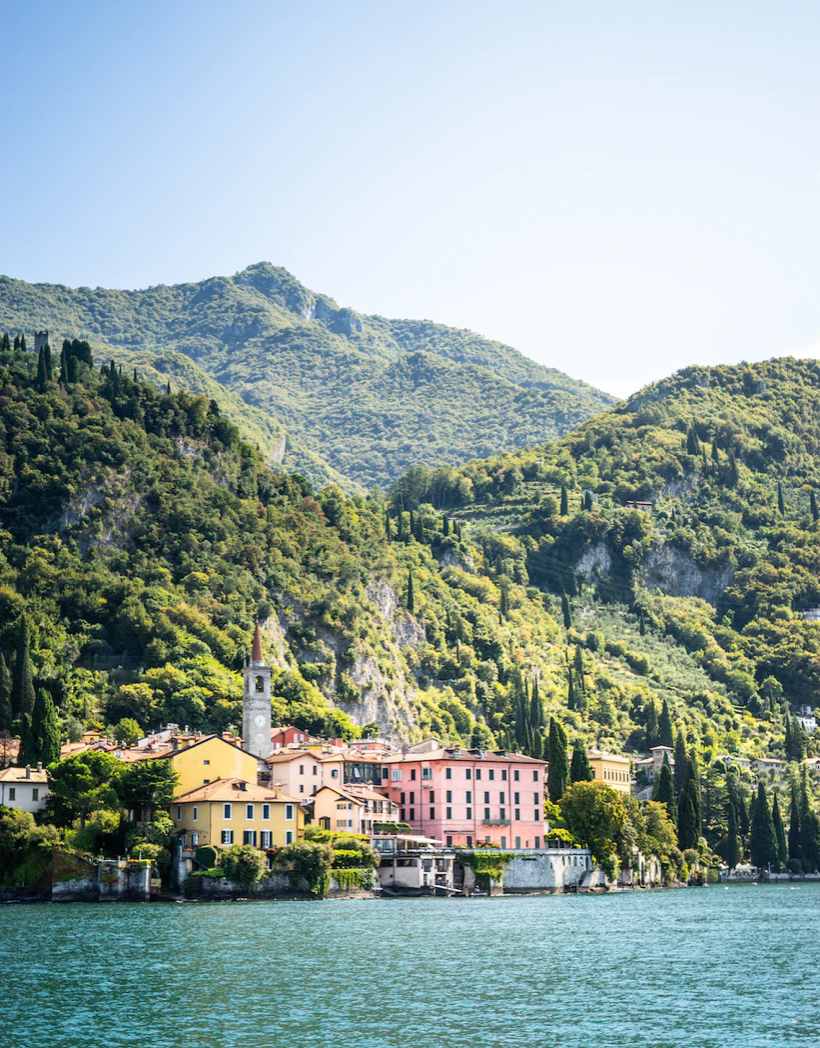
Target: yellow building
[232, 811]
[209, 759]
[613, 770]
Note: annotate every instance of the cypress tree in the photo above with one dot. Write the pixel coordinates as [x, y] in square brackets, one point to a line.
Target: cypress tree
[388, 531]
[813, 504]
[578, 661]
[588, 501]
[715, 453]
[564, 501]
[781, 508]
[6, 348]
[41, 740]
[579, 768]
[411, 595]
[666, 790]
[762, 840]
[536, 707]
[49, 362]
[680, 763]
[73, 370]
[692, 442]
[16, 343]
[136, 379]
[779, 832]
[6, 714]
[558, 772]
[794, 825]
[642, 623]
[810, 841]
[63, 367]
[445, 525]
[787, 741]
[168, 388]
[571, 703]
[651, 725]
[688, 826]
[22, 686]
[665, 733]
[23, 346]
[504, 602]
[732, 849]
[27, 754]
[42, 374]
[565, 608]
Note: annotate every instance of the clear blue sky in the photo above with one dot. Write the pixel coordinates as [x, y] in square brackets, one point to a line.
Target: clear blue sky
[617, 189]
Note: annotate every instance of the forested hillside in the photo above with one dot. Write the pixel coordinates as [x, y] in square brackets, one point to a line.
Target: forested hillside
[713, 575]
[364, 396]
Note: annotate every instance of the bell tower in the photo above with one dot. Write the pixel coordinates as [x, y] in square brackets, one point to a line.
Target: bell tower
[256, 702]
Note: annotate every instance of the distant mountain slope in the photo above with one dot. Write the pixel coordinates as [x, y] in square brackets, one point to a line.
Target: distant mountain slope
[368, 395]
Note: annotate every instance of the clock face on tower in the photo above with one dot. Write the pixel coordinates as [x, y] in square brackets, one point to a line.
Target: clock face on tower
[259, 721]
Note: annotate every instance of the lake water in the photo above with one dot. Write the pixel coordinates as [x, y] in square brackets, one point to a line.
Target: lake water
[707, 968]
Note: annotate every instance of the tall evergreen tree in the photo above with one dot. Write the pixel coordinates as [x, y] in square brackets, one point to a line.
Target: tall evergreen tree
[732, 849]
[715, 454]
[49, 362]
[558, 771]
[27, 754]
[732, 473]
[564, 501]
[22, 685]
[779, 832]
[762, 839]
[665, 733]
[651, 725]
[42, 374]
[578, 665]
[688, 827]
[411, 595]
[580, 769]
[692, 442]
[810, 841]
[642, 623]
[23, 346]
[6, 713]
[63, 380]
[571, 700]
[6, 347]
[680, 763]
[445, 525]
[813, 504]
[41, 741]
[780, 506]
[666, 790]
[794, 825]
[565, 609]
[787, 741]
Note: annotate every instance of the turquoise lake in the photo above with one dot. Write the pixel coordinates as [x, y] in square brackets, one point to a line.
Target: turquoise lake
[712, 968]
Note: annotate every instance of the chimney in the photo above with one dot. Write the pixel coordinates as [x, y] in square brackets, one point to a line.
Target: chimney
[39, 765]
[28, 771]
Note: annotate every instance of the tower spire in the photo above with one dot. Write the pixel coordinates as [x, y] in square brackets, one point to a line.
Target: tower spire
[256, 652]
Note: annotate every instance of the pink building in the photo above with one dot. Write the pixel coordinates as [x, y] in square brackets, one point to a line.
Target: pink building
[286, 736]
[466, 797]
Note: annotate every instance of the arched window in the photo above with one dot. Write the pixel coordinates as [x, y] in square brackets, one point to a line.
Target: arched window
[260, 685]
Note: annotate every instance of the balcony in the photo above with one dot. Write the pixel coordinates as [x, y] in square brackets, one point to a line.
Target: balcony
[496, 822]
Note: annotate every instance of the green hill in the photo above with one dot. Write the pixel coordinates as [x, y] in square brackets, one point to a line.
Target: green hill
[364, 396]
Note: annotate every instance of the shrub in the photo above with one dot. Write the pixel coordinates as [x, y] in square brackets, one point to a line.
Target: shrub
[244, 865]
[309, 861]
[794, 866]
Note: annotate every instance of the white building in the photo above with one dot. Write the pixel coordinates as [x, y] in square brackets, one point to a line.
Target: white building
[25, 788]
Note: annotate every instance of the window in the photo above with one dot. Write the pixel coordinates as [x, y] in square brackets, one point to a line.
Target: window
[449, 796]
[314, 771]
[288, 836]
[486, 796]
[469, 813]
[503, 843]
[426, 773]
[249, 837]
[12, 793]
[515, 775]
[335, 774]
[536, 798]
[448, 773]
[449, 813]
[535, 816]
[412, 797]
[518, 819]
[449, 842]
[206, 781]
[395, 775]
[226, 811]
[469, 842]
[486, 813]
[402, 798]
[537, 843]
[469, 796]
[412, 814]
[492, 773]
[301, 769]
[401, 815]
[467, 773]
[502, 813]
[179, 811]
[206, 762]
[412, 773]
[385, 772]
[264, 839]
[194, 840]
[248, 811]
[195, 813]
[478, 773]
[535, 776]
[501, 798]
[301, 787]
[227, 836]
[35, 794]
[260, 685]
[432, 813]
[432, 796]
[517, 801]
[504, 775]
[517, 843]
[288, 812]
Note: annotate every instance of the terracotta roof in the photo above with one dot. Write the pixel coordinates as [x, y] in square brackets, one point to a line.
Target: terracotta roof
[285, 756]
[451, 753]
[19, 775]
[205, 738]
[256, 653]
[232, 790]
[358, 793]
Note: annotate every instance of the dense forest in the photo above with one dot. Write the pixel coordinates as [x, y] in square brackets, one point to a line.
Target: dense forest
[328, 392]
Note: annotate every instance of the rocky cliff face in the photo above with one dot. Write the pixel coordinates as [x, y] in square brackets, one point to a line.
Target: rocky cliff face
[675, 573]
